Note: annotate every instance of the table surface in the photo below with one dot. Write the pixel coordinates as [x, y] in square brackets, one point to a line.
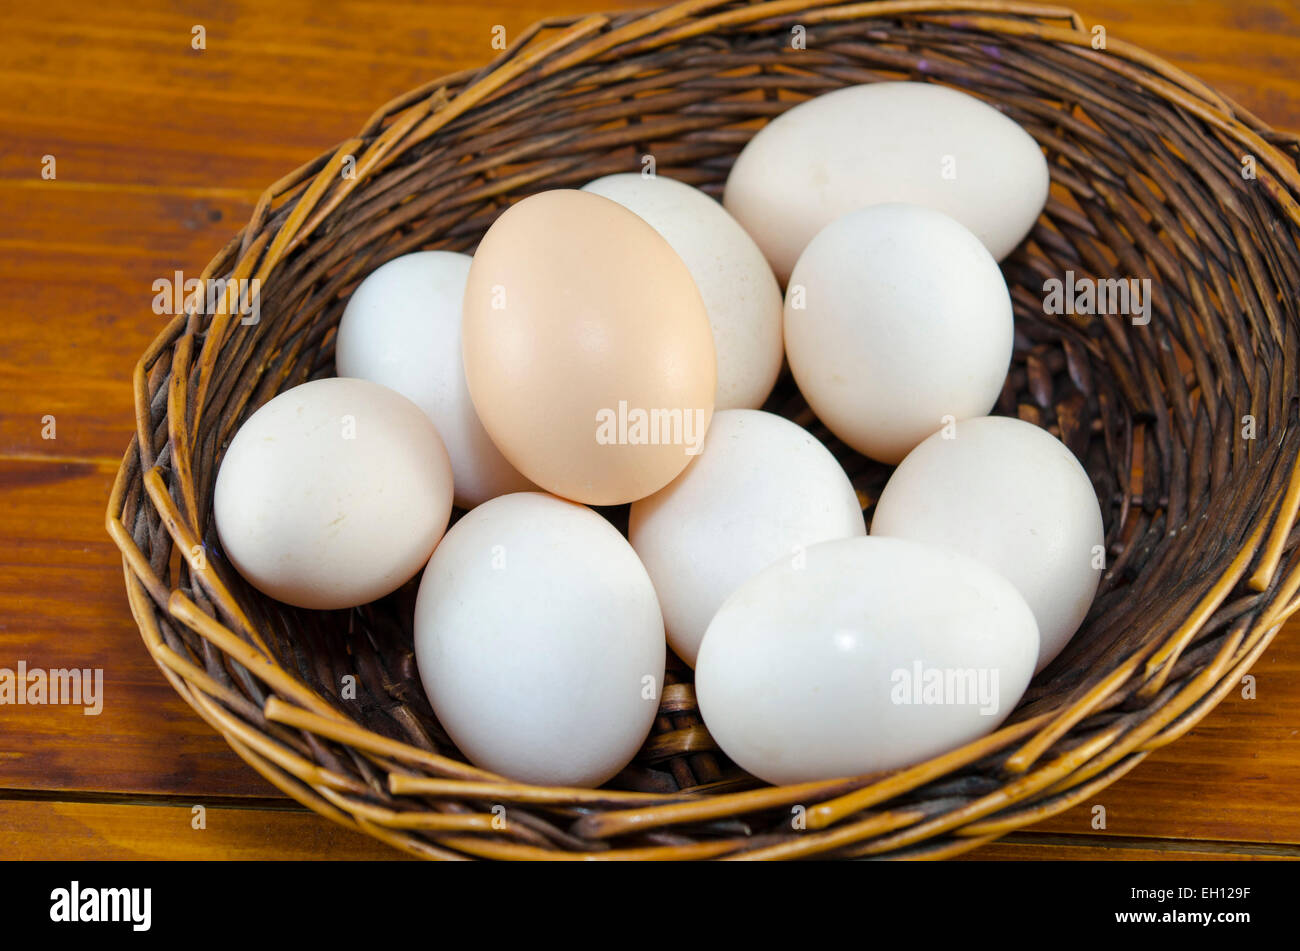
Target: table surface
[160, 153]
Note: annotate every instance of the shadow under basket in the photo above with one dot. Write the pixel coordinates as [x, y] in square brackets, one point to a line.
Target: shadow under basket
[1187, 424]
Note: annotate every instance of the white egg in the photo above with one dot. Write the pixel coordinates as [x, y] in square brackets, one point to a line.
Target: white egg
[333, 494]
[887, 142]
[875, 654]
[539, 641]
[739, 290]
[897, 320]
[1014, 497]
[401, 328]
[763, 489]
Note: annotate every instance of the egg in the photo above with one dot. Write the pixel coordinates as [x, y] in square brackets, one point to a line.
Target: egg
[763, 489]
[587, 348]
[874, 654]
[740, 292]
[401, 328]
[917, 143]
[332, 494]
[1014, 497]
[897, 323]
[539, 641]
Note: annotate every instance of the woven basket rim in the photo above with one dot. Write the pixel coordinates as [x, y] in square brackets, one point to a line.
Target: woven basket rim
[296, 207]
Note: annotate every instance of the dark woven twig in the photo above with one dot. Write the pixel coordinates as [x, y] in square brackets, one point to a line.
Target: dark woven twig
[1204, 555]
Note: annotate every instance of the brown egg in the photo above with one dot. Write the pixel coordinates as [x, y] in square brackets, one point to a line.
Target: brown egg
[588, 350]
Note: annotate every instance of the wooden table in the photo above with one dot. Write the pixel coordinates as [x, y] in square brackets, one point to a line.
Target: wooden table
[160, 151]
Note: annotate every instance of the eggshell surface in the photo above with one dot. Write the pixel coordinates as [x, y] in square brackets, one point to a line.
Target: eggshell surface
[539, 641]
[587, 348]
[333, 494]
[739, 290]
[1015, 498]
[897, 320]
[401, 328]
[918, 143]
[763, 489]
[875, 654]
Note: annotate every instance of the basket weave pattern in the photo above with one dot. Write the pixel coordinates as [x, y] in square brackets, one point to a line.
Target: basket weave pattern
[1203, 551]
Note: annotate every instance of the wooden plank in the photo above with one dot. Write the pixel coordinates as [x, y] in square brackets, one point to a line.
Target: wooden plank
[78, 266]
[63, 605]
[60, 830]
[128, 100]
[1037, 848]
[76, 831]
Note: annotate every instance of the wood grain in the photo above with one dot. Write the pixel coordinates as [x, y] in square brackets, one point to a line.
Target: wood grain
[63, 607]
[161, 152]
[1037, 847]
[82, 262]
[75, 831]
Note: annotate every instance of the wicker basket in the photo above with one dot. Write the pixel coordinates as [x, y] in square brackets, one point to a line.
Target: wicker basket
[1154, 176]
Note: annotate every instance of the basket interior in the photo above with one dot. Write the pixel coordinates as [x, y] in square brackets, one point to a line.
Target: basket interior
[1143, 188]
